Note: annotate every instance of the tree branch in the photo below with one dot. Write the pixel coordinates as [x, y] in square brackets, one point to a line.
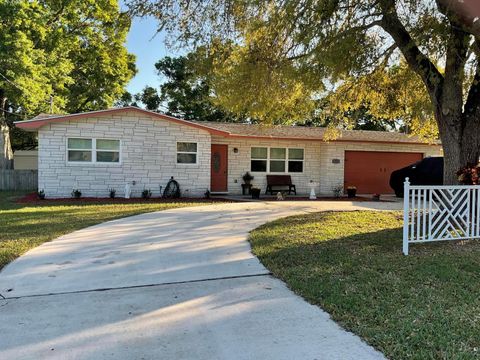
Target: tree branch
[472, 102]
[417, 60]
[456, 57]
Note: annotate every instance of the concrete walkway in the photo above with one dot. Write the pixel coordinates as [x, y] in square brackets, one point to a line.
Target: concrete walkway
[176, 284]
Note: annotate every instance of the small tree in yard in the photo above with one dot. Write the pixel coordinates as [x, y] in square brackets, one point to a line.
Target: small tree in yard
[275, 59]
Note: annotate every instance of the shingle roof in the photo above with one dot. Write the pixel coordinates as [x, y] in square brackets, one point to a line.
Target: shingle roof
[45, 116]
[308, 133]
[238, 130]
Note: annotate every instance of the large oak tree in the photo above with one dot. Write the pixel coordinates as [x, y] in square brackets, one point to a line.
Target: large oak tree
[282, 54]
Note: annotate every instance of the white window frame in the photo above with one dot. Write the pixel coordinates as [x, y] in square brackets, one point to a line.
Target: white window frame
[267, 159]
[186, 152]
[94, 152]
[298, 160]
[287, 159]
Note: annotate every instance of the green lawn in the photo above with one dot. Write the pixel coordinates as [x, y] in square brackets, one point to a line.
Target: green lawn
[424, 306]
[24, 226]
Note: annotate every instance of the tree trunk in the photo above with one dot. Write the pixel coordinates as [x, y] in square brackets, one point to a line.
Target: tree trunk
[461, 144]
[6, 155]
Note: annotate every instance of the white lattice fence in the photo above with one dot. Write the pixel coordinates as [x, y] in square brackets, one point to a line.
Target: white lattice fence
[436, 213]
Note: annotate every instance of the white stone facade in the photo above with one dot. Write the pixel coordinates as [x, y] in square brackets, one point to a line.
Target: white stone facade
[148, 157]
[318, 156]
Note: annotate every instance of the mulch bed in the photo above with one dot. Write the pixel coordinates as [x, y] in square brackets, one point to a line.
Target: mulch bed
[321, 198]
[34, 200]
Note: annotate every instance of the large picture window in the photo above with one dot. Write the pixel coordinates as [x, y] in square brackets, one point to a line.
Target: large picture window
[81, 150]
[276, 160]
[186, 153]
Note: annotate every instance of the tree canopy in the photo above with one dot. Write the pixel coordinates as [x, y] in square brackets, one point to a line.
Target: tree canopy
[274, 59]
[185, 92]
[60, 56]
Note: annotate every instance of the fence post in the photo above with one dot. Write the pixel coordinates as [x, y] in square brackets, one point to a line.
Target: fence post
[406, 213]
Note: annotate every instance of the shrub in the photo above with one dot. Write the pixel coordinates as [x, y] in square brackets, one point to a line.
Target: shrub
[41, 194]
[77, 194]
[146, 193]
[113, 193]
[469, 175]
[337, 191]
[247, 177]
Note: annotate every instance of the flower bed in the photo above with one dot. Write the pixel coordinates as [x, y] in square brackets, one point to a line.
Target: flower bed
[34, 200]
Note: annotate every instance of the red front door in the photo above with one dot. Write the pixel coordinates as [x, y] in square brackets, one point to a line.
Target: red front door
[219, 166]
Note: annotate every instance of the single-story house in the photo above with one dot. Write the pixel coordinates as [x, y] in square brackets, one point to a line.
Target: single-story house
[99, 150]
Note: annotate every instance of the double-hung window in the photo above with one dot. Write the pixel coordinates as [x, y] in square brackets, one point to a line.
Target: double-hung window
[278, 156]
[295, 160]
[84, 150]
[259, 159]
[276, 160]
[80, 150]
[107, 151]
[186, 153]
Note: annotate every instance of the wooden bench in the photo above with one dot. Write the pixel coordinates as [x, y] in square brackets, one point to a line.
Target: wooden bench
[280, 181]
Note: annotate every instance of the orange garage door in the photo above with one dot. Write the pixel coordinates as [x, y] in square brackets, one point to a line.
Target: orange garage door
[370, 171]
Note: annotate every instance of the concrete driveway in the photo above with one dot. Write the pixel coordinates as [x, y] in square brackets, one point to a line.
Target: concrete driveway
[176, 284]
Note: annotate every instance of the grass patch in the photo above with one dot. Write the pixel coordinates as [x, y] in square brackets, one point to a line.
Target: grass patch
[423, 306]
[24, 226]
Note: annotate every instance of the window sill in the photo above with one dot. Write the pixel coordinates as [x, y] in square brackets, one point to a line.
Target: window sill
[79, 163]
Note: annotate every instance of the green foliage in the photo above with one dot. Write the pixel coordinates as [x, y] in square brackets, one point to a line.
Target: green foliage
[391, 93]
[62, 56]
[149, 96]
[274, 60]
[76, 193]
[33, 60]
[73, 51]
[146, 194]
[187, 91]
[21, 139]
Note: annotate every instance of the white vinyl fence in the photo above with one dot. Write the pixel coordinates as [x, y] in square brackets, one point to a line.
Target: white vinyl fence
[436, 213]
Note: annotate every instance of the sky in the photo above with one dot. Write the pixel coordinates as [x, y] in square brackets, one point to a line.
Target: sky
[148, 48]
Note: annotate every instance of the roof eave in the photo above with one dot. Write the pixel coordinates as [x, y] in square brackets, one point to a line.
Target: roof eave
[265, 137]
[35, 124]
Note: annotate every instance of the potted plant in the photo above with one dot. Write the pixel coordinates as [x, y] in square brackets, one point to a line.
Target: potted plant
[255, 193]
[77, 194]
[113, 193]
[247, 178]
[351, 191]
[146, 194]
[41, 194]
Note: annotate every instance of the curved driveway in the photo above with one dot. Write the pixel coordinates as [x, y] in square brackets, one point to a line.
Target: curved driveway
[175, 284]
